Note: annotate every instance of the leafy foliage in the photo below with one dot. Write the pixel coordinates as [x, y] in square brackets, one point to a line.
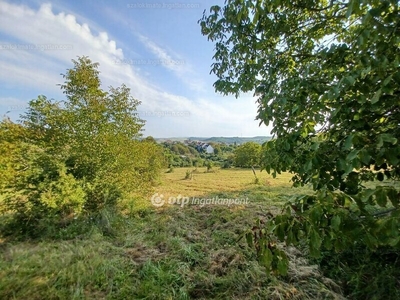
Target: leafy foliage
[247, 155]
[39, 191]
[327, 77]
[77, 155]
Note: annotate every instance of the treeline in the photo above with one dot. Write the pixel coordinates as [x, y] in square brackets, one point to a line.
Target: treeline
[178, 154]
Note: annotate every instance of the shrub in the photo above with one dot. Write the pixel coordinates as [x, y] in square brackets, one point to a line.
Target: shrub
[78, 155]
[189, 175]
[42, 192]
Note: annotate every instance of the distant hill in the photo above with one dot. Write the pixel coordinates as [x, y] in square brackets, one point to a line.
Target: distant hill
[173, 139]
[226, 140]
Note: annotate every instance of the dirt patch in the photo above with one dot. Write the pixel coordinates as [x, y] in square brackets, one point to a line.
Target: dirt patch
[223, 260]
[140, 254]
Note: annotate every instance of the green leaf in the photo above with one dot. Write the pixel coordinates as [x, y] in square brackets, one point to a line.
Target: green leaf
[249, 239]
[387, 80]
[348, 142]
[266, 258]
[393, 196]
[290, 238]
[375, 12]
[394, 241]
[315, 243]
[283, 263]
[381, 198]
[328, 243]
[376, 96]
[365, 157]
[349, 80]
[308, 165]
[339, 245]
[371, 241]
[366, 194]
[389, 138]
[335, 222]
[349, 9]
[256, 16]
[280, 231]
[352, 155]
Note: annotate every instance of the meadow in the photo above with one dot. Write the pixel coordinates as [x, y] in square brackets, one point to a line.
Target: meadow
[167, 252]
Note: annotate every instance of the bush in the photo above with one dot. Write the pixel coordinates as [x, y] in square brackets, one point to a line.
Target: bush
[100, 195]
[43, 192]
[83, 154]
[226, 165]
[209, 164]
[365, 274]
[189, 175]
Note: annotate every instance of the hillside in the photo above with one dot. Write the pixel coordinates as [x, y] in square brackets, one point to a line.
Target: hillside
[226, 140]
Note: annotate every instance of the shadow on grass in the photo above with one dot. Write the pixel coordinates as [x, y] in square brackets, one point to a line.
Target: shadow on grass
[189, 252]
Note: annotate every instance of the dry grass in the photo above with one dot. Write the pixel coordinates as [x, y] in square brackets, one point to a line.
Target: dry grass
[172, 252]
[218, 181]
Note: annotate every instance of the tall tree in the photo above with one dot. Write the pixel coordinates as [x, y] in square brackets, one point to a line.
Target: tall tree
[327, 76]
[81, 153]
[95, 131]
[248, 155]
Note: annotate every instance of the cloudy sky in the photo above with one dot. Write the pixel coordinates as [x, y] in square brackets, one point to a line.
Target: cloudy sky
[154, 47]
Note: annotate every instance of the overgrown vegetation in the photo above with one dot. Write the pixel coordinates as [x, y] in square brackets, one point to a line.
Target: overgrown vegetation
[171, 253]
[75, 175]
[326, 74]
[73, 157]
[248, 155]
[179, 154]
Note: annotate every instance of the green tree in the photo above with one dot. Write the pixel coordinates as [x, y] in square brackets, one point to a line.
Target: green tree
[35, 187]
[198, 162]
[96, 132]
[209, 164]
[217, 150]
[151, 139]
[326, 74]
[79, 154]
[247, 155]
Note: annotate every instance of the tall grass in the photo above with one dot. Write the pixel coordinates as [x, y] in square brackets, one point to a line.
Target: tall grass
[172, 252]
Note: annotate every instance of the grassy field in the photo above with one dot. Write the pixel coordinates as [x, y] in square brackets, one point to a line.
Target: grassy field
[169, 252]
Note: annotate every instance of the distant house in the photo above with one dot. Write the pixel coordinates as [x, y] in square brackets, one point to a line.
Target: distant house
[208, 148]
[202, 147]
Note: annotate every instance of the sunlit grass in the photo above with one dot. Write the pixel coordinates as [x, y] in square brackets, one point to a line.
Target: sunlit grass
[219, 180]
[172, 252]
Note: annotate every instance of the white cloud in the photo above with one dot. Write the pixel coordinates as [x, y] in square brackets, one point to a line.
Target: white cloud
[12, 104]
[24, 69]
[175, 63]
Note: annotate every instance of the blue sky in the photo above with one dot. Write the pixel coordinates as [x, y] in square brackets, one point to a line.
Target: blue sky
[154, 47]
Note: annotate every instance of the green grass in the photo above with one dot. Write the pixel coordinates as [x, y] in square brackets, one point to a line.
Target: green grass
[171, 252]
